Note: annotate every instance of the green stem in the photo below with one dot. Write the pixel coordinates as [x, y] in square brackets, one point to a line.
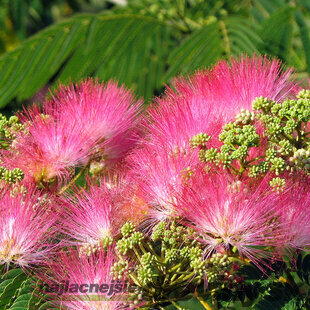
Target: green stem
[254, 159]
[175, 267]
[173, 277]
[234, 169]
[137, 254]
[290, 138]
[184, 278]
[238, 259]
[135, 280]
[225, 38]
[241, 163]
[299, 135]
[202, 301]
[63, 189]
[176, 305]
[151, 249]
[214, 301]
[142, 248]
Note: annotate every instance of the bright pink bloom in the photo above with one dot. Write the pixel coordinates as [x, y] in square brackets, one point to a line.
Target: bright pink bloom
[229, 215]
[294, 212]
[161, 176]
[165, 158]
[80, 123]
[48, 148]
[90, 215]
[230, 87]
[107, 113]
[26, 228]
[173, 122]
[95, 215]
[205, 101]
[83, 283]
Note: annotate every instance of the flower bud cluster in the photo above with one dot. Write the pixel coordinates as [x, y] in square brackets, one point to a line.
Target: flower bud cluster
[277, 184]
[8, 129]
[11, 176]
[218, 266]
[90, 248]
[119, 269]
[275, 131]
[237, 139]
[125, 244]
[199, 140]
[171, 252]
[301, 159]
[245, 117]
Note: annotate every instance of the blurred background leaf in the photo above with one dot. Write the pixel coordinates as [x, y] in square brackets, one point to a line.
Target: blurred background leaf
[141, 43]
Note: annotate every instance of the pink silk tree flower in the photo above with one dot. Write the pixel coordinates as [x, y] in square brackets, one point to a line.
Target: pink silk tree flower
[161, 176]
[205, 101]
[107, 113]
[231, 216]
[90, 217]
[27, 226]
[79, 124]
[173, 122]
[294, 212]
[47, 148]
[94, 216]
[75, 282]
[165, 158]
[230, 87]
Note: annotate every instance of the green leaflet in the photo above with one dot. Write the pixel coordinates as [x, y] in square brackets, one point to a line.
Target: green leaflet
[17, 291]
[105, 46]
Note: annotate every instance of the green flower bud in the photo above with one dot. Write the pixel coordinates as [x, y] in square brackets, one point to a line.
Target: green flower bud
[277, 184]
[127, 229]
[144, 274]
[199, 140]
[158, 231]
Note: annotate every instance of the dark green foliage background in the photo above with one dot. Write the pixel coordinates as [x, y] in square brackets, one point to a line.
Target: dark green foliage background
[143, 44]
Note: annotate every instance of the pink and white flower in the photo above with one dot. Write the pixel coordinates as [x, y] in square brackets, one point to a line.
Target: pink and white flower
[26, 228]
[232, 216]
[228, 88]
[83, 283]
[78, 124]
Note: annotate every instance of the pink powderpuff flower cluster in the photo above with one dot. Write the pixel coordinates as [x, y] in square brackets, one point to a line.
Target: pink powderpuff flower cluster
[47, 148]
[202, 103]
[79, 123]
[89, 284]
[94, 215]
[27, 228]
[106, 112]
[157, 176]
[232, 216]
[230, 87]
[293, 212]
[89, 216]
[174, 119]
[160, 176]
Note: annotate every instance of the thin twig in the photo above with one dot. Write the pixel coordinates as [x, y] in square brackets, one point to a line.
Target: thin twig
[63, 189]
